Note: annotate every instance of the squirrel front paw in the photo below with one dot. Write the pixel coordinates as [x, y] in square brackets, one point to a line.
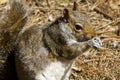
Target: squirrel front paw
[95, 42]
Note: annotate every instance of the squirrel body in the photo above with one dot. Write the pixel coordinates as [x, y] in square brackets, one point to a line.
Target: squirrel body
[48, 52]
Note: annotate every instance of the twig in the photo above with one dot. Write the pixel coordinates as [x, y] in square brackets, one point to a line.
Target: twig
[105, 14]
[113, 22]
[48, 3]
[97, 3]
[111, 39]
[105, 31]
[110, 36]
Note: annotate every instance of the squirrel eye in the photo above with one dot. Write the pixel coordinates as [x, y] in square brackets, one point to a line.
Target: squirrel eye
[78, 27]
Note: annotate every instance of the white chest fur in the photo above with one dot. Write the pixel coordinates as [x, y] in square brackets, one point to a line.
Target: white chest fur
[55, 71]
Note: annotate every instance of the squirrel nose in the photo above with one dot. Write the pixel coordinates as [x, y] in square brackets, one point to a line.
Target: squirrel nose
[90, 36]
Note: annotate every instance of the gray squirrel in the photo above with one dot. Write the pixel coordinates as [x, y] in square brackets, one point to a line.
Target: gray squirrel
[48, 52]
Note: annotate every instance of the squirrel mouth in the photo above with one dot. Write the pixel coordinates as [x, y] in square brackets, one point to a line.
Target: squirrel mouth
[83, 39]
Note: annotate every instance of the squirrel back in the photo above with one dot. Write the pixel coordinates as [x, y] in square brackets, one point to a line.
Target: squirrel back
[12, 19]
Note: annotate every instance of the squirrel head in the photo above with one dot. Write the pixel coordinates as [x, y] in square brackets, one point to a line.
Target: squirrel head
[72, 27]
[79, 24]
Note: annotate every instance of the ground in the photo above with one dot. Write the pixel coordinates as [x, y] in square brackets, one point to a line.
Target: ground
[103, 64]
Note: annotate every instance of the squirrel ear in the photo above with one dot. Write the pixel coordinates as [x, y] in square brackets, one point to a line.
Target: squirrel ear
[75, 6]
[66, 14]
